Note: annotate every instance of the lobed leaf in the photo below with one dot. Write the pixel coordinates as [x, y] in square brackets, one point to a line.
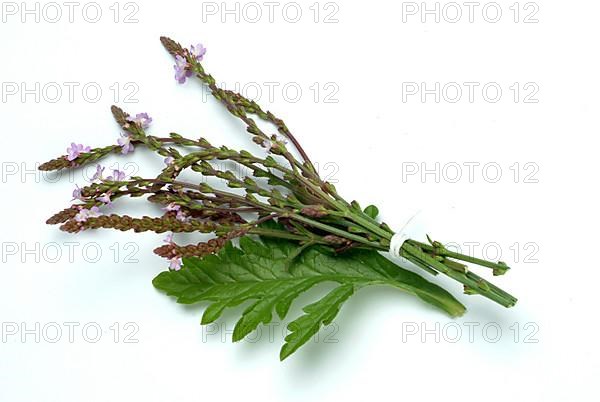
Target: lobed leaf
[261, 272]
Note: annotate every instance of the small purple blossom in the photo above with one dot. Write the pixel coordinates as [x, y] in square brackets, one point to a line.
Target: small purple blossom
[75, 150]
[175, 264]
[171, 207]
[84, 214]
[169, 238]
[270, 144]
[198, 52]
[142, 120]
[105, 199]
[182, 71]
[181, 216]
[77, 194]
[169, 160]
[98, 174]
[117, 176]
[125, 143]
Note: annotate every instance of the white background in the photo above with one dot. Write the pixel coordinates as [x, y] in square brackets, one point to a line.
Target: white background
[543, 220]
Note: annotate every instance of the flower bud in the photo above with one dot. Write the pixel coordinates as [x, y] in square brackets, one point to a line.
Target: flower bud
[314, 211]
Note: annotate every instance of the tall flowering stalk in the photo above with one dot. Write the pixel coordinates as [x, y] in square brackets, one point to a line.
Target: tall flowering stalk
[282, 197]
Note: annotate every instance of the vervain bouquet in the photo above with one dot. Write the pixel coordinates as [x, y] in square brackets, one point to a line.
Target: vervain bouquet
[293, 229]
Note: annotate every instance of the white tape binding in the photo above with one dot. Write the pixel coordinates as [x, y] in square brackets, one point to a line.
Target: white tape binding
[400, 237]
[396, 243]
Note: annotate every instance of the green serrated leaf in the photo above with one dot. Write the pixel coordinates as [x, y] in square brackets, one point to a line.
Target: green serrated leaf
[261, 272]
[319, 313]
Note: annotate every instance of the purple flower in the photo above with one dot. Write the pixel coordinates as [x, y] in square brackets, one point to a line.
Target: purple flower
[175, 264]
[77, 194]
[169, 160]
[98, 174]
[75, 150]
[181, 69]
[142, 120]
[84, 214]
[117, 176]
[198, 51]
[181, 216]
[270, 144]
[171, 207]
[125, 143]
[169, 238]
[105, 199]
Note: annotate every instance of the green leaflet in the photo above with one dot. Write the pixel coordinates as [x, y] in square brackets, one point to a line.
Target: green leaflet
[320, 312]
[260, 272]
[372, 211]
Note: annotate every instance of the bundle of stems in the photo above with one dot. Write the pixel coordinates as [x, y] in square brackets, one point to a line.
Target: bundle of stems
[280, 186]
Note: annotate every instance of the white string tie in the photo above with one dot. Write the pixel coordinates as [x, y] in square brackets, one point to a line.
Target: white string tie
[400, 237]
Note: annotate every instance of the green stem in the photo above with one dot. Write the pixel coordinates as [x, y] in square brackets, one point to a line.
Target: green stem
[447, 253]
[469, 279]
[336, 231]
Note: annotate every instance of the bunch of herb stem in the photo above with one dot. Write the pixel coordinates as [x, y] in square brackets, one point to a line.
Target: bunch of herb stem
[281, 186]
